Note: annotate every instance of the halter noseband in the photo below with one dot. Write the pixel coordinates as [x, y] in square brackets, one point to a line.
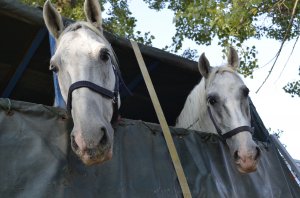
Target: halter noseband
[232, 132]
[100, 90]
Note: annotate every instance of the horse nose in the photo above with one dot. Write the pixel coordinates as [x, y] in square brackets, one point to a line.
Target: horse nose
[246, 161]
[74, 145]
[93, 146]
[258, 153]
[104, 137]
[237, 156]
[79, 142]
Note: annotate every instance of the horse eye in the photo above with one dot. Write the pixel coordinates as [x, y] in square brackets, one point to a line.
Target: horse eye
[212, 100]
[53, 68]
[104, 54]
[245, 91]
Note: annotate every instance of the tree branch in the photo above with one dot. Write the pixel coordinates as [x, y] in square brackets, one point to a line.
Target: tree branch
[288, 57]
[281, 46]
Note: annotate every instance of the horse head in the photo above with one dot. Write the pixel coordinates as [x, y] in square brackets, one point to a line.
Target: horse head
[86, 68]
[229, 111]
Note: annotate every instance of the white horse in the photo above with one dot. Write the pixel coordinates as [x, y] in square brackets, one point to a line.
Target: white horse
[220, 104]
[87, 72]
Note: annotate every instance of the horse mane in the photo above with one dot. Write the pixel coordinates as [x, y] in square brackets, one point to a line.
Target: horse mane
[83, 24]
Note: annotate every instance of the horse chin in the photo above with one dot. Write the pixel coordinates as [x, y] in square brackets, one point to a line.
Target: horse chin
[246, 167]
[89, 160]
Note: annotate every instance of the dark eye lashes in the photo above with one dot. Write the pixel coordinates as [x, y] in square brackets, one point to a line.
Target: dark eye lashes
[53, 68]
[245, 91]
[104, 54]
[211, 100]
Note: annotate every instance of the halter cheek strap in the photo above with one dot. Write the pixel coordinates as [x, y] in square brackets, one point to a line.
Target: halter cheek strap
[232, 132]
[100, 90]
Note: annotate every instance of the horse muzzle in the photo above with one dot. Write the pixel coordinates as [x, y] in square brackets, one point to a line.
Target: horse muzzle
[247, 163]
[93, 156]
[91, 152]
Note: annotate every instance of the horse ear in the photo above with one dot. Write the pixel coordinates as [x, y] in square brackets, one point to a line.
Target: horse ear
[204, 66]
[233, 58]
[93, 14]
[52, 19]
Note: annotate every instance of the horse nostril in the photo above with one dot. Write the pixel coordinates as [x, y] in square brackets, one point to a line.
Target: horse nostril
[73, 143]
[257, 153]
[236, 155]
[103, 139]
[90, 152]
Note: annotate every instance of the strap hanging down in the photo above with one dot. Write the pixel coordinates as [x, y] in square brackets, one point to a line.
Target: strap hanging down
[162, 120]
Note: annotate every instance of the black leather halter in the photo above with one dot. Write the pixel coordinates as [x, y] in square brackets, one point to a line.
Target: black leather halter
[113, 95]
[232, 132]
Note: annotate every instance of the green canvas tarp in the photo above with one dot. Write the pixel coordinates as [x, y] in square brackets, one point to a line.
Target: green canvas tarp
[36, 161]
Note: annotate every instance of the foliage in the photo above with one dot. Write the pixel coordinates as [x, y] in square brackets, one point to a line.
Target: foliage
[190, 54]
[68, 8]
[277, 133]
[293, 88]
[232, 22]
[119, 20]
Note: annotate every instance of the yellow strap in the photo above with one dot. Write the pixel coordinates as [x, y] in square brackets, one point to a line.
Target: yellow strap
[163, 123]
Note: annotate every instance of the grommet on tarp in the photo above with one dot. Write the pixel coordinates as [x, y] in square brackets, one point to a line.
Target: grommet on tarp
[208, 137]
[153, 131]
[9, 112]
[64, 117]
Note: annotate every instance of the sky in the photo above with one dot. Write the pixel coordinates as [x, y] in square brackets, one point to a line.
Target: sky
[277, 109]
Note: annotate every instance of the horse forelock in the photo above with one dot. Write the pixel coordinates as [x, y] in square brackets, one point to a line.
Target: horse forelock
[220, 70]
[82, 24]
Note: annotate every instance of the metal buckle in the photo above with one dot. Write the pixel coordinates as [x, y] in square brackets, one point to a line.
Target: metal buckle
[115, 98]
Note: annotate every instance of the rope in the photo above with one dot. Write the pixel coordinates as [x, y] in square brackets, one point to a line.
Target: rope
[162, 120]
[193, 124]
